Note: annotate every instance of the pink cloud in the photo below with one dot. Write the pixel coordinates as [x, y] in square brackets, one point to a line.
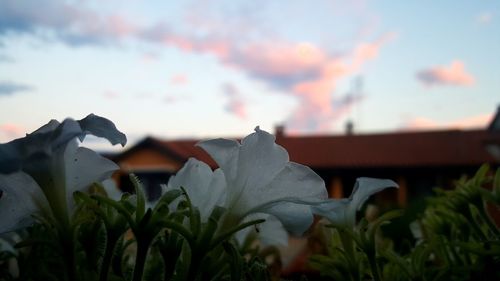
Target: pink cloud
[421, 123]
[9, 131]
[306, 71]
[236, 105]
[179, 79]
[454, 74]
[110, 95]
[303, 70]
[484, 18]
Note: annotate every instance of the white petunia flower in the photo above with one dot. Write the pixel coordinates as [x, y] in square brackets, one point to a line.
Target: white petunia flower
[261, 179]
[342, 212]
[51, 160]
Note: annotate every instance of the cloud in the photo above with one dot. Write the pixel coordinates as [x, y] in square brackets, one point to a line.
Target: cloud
[8, 88]
[236, 105]
[6, 59]
[71, 23]
[484, 18]
[455, 74]
[179, 79]
[303, 70]
[111, 95]
[9, 131]
[306, 71]
[422, 123]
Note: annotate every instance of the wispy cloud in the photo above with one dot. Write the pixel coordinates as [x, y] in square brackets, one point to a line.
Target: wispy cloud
[235, 102]
[111, 95]
[8, 88]
[484, 18]
[304, 70]
[422, 123]
[71, 23]
[454, 74]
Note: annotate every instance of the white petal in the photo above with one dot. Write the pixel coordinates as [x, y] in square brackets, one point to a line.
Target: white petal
[10, 158]
[20, 198]
[102, 127]
[84, 167]
[204, 187]
[225, 153]
[363, 189]
[294, 184]
[295, 218]
[49, 127]
[366, 187]
[335, 210]
[260, 160]
[270, 232]
[111, 189]
[68, 130]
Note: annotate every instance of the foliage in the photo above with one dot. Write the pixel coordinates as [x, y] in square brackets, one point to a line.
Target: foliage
[455, 239]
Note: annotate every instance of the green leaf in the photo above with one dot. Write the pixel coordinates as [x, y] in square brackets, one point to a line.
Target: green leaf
[141, 197]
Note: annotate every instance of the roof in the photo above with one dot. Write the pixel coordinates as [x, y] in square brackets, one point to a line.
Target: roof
[179, 150]
[400, 149]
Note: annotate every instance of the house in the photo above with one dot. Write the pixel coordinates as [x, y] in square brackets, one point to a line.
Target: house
[417, 161]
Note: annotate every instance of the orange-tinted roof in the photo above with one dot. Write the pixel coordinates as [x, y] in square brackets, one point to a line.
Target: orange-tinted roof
[186, 149]
[401, 149]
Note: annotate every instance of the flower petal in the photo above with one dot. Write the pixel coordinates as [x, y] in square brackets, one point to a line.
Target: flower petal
[295, 218]
[260, 160]
[334, 210]
[102, 127]
[292, 187]
[270, 232]
[10, 158]
[366, 187]
[84, 167]
[112, 191]
[225, 153]
[205, 188]
[20, 198]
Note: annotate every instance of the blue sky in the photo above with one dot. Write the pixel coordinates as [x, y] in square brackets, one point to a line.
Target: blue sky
[178, 69]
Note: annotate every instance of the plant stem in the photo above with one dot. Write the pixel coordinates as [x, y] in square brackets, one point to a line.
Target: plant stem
[140, 259]
[108, 255]
[348, 246]
[65, 232]
[374, 267]
[194, 266]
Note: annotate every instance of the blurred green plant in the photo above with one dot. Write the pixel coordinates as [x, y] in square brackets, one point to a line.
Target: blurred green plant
[455, 239]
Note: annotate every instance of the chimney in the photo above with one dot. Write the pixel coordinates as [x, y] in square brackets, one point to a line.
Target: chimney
[279, 131]
[349, 127]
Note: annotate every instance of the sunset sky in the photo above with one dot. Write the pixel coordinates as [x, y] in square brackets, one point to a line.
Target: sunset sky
[181, 69]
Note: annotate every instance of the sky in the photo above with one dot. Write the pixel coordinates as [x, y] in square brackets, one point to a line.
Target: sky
[198, 69]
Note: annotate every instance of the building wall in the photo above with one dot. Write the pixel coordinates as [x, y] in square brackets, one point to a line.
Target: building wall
[148, 159]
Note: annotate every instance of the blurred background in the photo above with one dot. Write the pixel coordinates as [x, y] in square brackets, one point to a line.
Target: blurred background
[197, 69]
[406, 90]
